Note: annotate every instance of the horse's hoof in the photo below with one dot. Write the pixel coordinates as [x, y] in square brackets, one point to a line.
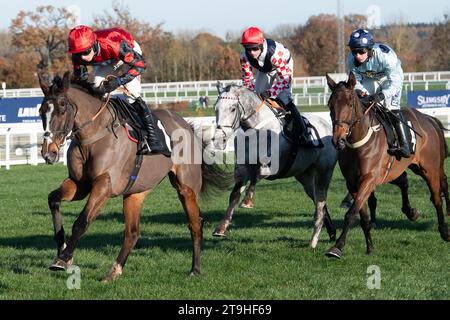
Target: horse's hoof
[219, 234]
[194, 273]
[414, 216]
[334, 253]
[445, 233]
[247, 205]
[113, 274]
[60, 265]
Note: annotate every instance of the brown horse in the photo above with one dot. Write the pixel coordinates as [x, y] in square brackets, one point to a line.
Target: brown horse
[368, 164]
[101, 159]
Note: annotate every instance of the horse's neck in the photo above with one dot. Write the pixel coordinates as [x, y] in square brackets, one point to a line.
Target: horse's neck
[265, 119]
[361, 128]
[87, 108]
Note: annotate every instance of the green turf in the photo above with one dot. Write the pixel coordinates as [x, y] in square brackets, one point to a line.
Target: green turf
[266, 255]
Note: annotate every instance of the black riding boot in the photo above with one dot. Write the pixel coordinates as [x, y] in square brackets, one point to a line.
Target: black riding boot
[149, 124]
[304, 139]
[402, 149]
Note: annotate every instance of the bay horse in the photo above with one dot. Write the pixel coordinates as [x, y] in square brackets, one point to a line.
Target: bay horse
[368, 165]
[240, 108]
[101, 161]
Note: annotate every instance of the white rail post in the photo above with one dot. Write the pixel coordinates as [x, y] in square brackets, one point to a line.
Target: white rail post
[8, 149]
[33, 149]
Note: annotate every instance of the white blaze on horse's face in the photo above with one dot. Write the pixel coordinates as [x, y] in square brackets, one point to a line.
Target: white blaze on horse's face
[227, 119]
[48, 116]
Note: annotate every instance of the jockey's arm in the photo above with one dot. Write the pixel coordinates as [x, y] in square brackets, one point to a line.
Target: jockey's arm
[352, 68]
[394, 74]
[248, 79]
[80, 71]
[284, 72]
[134, 60]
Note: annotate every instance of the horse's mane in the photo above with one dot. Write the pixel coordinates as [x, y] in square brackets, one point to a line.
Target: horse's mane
[87, 88]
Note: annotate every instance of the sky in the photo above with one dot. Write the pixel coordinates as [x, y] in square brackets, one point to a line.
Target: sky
[219, 17]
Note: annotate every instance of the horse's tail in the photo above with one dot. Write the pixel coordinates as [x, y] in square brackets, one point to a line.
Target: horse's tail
[215, 178]
[442, 130]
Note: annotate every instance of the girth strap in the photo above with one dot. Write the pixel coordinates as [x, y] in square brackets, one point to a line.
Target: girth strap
[134, 173]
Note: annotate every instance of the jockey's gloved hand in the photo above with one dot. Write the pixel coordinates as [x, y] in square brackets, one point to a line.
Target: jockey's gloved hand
[111, 85]
[264, 95]
[377, 98]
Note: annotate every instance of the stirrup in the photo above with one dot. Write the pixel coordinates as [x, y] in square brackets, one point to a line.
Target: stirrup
[399, 152]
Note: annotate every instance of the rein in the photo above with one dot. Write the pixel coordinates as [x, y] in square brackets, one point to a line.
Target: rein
[351, 124]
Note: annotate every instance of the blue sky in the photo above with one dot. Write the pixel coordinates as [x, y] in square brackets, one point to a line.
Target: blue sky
[218, 17]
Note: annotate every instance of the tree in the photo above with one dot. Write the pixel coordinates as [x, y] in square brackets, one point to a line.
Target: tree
[121, 17]
[43, 33]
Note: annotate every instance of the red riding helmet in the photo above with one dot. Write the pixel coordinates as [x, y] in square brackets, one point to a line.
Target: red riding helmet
[80, 39]
[252, 35]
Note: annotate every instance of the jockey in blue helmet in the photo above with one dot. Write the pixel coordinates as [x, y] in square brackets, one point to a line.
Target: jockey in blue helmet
[379, 76]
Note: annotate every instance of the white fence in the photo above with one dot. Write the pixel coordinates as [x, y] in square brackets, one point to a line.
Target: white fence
[307, 90]
[21, 144]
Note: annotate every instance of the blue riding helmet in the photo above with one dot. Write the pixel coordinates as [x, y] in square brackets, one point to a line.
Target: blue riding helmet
[361, 38]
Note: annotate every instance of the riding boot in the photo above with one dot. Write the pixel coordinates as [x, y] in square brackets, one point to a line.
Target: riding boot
[402, 149]
[149, 124]
[299, 123]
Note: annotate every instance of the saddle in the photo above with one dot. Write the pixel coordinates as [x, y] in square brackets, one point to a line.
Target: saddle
[130, 119]
[287, 123]
[386, 119]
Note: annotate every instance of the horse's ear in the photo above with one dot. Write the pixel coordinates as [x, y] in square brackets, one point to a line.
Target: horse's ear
[331, 83]
[66, 81]
[351, 83]
[44, 82]
[220, 87]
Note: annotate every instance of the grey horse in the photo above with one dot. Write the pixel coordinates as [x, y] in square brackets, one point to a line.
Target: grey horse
[240, 108]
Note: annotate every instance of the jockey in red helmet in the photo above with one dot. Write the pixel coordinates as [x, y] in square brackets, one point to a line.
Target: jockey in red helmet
[275, 68]
[109, 51]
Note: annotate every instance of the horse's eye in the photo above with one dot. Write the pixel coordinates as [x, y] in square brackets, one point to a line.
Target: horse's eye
[233, 109]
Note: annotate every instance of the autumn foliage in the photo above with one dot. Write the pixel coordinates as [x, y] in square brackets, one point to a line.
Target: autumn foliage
[39, 37]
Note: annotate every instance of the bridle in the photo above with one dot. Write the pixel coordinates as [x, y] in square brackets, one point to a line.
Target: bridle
[354, 120]
[68, 124]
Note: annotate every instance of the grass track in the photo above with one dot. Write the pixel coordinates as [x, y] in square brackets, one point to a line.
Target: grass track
[265, 257]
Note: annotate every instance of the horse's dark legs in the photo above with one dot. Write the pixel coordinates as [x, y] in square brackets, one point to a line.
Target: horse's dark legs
[366, 225]
[402, 183]
[444, 192]
[248, 202]
[132, 205]
[100, 193]
[372, 202]
[331, 230]
[188, 199]
[365, 189]
[435, 185]
[68, 191]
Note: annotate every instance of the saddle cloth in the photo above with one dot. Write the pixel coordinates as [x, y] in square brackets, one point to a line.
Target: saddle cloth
[386, 121]
[133, 124]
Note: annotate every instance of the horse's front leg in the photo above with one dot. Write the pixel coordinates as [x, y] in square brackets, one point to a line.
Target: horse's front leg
[100, 193]
[366, 187]
[222, 227]
[68, 191]
[248, 202]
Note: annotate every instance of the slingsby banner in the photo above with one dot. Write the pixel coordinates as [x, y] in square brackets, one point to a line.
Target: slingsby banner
[429, 99]
[20, 110]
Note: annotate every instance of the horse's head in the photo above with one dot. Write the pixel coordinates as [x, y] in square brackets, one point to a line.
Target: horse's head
[57, 115]
[341, 104]
[228, 114]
